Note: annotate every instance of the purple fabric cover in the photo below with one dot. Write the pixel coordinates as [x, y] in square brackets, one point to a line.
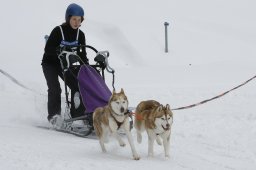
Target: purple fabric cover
[93, 89]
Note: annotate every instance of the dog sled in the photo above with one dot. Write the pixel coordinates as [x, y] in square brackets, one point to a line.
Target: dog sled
[93, 91]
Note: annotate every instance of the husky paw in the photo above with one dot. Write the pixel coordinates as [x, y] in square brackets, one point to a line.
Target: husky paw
[103, 147]
[136, 157]
[104, 150]
[167, 156]
[122, 144]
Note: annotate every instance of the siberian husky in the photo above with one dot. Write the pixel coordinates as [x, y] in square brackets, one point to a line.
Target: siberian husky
[156, 119]
[107, 120]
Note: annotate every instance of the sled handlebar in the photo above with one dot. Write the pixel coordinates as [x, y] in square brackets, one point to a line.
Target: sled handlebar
[105, 54]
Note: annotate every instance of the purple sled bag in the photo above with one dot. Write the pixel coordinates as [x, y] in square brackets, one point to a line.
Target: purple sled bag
[93, 89]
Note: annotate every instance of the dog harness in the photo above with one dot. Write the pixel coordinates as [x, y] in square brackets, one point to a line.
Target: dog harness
[119, 124]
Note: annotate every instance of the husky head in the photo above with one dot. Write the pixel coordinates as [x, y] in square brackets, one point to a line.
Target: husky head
[163, 118]
[119, 102]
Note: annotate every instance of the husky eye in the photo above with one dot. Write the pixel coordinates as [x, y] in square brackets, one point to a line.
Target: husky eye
[162, 118]
[169, 118]
[123, 101]
[117, 102]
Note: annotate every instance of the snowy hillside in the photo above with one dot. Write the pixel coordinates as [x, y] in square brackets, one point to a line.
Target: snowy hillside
[211, 50]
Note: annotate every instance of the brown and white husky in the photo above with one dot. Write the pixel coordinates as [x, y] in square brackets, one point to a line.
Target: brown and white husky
[156, 119]
[107, 120]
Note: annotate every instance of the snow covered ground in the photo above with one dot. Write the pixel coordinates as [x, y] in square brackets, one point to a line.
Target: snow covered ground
[211, 50]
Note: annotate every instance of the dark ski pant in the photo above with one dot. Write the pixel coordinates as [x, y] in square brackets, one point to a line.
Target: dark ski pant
[51, 74]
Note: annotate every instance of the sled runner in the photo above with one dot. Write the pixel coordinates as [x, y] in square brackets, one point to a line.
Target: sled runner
[76, 132]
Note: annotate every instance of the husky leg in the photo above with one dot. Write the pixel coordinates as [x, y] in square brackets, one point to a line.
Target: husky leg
[130, 140]
[158, 140]
[139, 136]
[113, 129]
[102, 144]
[102, 137]
[140, 128]
[166, 141]
[119, 139]
[151, 139]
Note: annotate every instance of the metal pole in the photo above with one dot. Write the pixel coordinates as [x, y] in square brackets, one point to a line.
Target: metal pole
[166, 37]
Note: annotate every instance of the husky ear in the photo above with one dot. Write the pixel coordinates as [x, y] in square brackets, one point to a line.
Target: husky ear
[168, 107]
[114, 91]
[122, 90]
[160, 108]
